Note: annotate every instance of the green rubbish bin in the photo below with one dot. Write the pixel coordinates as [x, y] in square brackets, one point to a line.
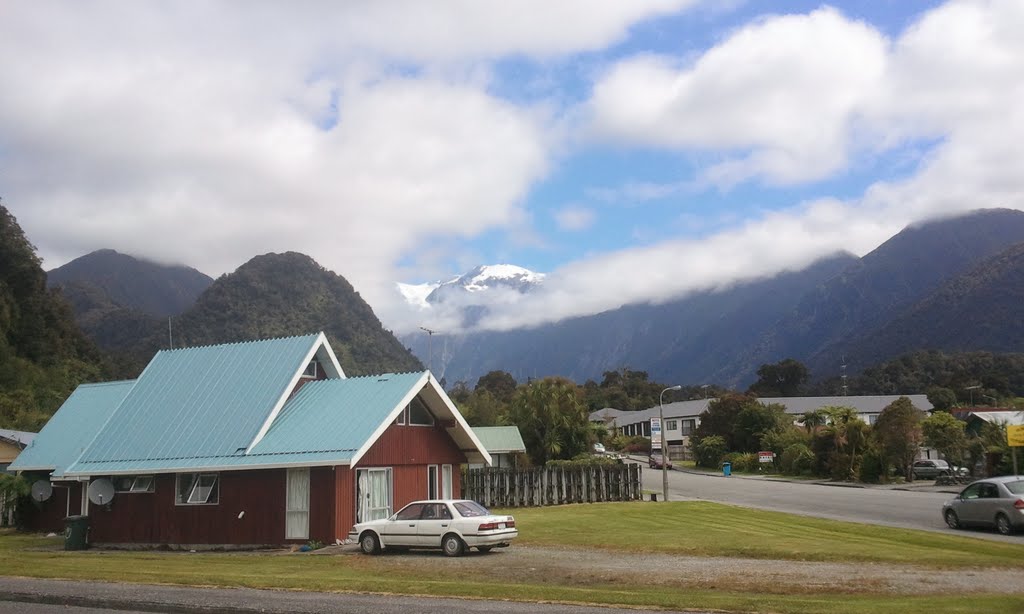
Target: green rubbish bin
[76, 532]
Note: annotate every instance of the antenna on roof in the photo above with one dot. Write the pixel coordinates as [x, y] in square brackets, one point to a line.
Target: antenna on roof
[842, 376]
[170, 337]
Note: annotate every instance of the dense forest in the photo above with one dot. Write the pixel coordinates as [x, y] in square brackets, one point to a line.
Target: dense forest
[43, 354]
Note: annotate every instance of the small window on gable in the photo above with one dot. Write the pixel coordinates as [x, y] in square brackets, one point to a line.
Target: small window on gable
[312, 369]
[134, 483]
[198, 489]
[419, 414]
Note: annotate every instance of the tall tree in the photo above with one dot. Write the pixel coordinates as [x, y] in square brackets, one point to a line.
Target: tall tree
[785, 378]
[946, 434]
[898, 434]
[499, 383]
[552, 418]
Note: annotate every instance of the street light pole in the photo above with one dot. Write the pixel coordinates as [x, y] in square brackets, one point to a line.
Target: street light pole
[664, 442]
[430, 347]
[972, 389]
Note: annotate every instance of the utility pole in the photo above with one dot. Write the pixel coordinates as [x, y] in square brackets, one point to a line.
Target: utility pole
[430, 347]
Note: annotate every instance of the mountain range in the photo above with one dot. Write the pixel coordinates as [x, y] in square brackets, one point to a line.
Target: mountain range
[954, 284]
[951, 284]
[273, 295]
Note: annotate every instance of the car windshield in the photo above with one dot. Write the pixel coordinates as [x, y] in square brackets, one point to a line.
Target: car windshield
[940, 463]
[469, 509]
[1016, 488]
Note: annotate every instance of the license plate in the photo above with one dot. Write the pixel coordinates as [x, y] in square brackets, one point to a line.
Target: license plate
[501, 525]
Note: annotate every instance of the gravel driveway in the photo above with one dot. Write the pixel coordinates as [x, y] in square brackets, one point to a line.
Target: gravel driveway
[542, 565]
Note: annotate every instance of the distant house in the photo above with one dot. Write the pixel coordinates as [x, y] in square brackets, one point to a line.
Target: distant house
[503, 443]
[682, 417]
[976, 417]
[247, 444]
[11, 444]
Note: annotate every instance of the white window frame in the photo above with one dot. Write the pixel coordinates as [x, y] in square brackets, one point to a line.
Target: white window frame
[311, 370]
[214, 489]
[299, 511]
[408, 412]
[447, 485]
[433, 482]
[671, 425]
[139, 483]
[361, 514]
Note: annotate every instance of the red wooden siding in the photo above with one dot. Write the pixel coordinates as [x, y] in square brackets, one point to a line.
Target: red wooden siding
[345, 501]
[154, 518]
[48, 516]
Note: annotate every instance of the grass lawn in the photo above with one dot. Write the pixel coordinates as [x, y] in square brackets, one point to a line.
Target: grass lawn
[692, 528]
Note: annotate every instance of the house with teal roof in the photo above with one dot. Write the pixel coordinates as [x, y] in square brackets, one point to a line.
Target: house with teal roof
[249, 444]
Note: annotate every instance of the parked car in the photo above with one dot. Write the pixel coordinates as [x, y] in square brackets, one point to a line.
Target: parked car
[655, 460]
[930, 469]
[453, 525]
[598, 448]
[992, 502]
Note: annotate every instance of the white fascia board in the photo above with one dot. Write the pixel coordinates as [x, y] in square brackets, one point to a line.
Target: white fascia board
[320, 341]
[392, 416]
[454, 411]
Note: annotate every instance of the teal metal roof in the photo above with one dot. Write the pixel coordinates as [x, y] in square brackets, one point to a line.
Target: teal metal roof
[72, 428]
[337, 415]
[198, 403]
[326, 421]
[498, 439]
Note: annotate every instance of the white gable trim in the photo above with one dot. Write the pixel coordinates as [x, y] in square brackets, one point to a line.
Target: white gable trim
[320, 343]
[392, 416]
[460, 420]
[423, 382]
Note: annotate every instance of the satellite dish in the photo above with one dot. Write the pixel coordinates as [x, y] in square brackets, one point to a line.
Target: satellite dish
[101, 491]
[42, 490]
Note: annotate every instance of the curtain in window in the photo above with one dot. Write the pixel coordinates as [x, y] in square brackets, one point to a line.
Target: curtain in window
[374, 494]
[297, 508]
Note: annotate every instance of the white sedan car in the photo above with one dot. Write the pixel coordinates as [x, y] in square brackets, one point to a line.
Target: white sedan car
[453, 525]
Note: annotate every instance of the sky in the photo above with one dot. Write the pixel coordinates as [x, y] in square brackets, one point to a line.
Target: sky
[632, 151]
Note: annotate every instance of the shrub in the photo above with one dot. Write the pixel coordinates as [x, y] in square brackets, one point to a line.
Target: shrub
[872, 467]
[636, 445]
[708, 452]
[797, 459]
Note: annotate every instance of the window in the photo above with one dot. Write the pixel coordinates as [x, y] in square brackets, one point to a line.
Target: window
[373, 494]
[134, 483]
[198, 489]
[419, 414]
[311, 369]
[671, 425]
[412, 511]
[297, 504]
[446, 481]
[432, 481]
[688, 426]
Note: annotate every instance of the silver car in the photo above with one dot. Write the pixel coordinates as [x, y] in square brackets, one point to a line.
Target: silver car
[997, 502]
[453, 525]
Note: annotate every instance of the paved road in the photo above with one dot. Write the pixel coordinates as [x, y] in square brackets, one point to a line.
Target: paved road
[34, 596]
[883, 506]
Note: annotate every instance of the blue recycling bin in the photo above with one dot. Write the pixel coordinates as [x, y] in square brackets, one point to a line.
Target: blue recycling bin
[726, 469]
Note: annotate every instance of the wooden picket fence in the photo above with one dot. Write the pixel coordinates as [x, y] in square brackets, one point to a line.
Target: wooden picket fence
[551, 485]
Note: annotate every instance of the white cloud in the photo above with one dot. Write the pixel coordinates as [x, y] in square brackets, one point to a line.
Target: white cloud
[195, 132]
[574, 218]
[780, 95]
[956, 77]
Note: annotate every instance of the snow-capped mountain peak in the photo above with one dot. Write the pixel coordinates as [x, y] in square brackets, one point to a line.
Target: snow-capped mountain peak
[476, 283]
[491, 275]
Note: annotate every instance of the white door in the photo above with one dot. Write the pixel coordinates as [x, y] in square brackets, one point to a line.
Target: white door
[373, 494]
[297, 507]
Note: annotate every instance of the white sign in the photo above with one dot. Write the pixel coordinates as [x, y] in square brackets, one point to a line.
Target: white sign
[765, 457]
[656, 433]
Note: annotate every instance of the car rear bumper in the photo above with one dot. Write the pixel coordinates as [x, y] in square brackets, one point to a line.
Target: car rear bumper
[491, 539]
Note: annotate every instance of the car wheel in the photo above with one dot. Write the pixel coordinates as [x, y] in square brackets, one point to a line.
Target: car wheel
[1003, 525]
[369, 543]
[952, 520]
[484, 549]
[452, 545]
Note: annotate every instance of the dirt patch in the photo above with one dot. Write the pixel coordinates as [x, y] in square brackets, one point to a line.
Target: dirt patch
[578, 567]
